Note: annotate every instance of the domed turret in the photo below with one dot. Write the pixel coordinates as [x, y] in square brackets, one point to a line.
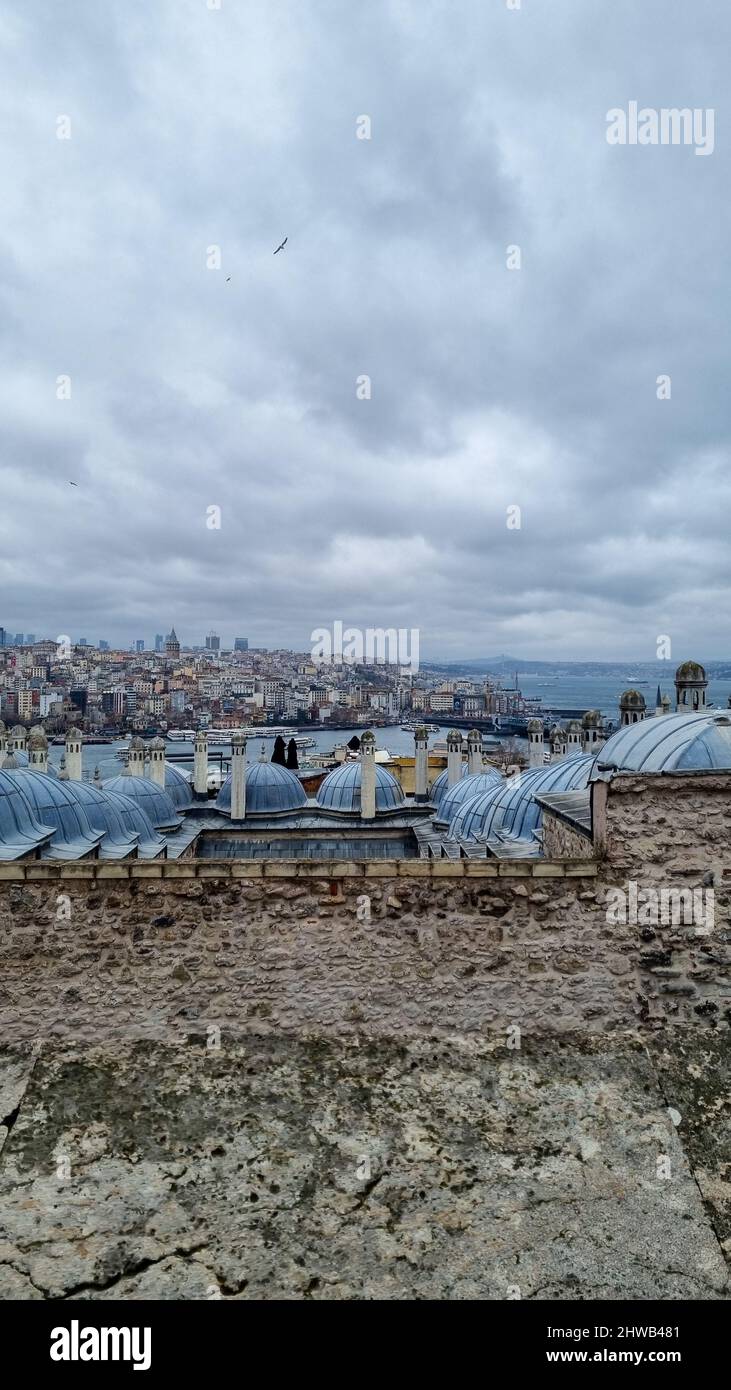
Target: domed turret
[690, 688]
[632, 707]
[270, 789]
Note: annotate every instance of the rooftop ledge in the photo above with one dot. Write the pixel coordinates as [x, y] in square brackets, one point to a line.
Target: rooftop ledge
[96, 870]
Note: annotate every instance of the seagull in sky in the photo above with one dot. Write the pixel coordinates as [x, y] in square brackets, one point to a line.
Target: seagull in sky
[72, 484]
[281, 248]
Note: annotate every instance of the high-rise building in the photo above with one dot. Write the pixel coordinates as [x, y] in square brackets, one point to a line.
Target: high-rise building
[140, 644]
[3, 637]
[159, 642]
[18, 639]
[30, 638]
[213, 642]
[241, 644]
[83, 642]
[103, 646]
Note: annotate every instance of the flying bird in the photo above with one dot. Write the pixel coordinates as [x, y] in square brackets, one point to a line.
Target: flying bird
[228, 277]
[281, 248]
[72, 484]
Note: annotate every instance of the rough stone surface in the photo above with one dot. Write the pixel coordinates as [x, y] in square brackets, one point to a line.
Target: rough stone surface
[361, 1168]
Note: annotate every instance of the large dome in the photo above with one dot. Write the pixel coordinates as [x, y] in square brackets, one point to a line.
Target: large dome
[269, 788]
[470, 786]
[441, 783]
[669, 743]
[153, 800]
[340, 790]
[59, 804]
[20, 831]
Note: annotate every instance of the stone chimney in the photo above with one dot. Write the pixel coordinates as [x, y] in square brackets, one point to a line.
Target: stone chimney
[238, 775]
[454, 757]
[474, 751]
[367, 776]
[157, 762]
[17, 739]
[421, 764]
[558, 744]
[535, 742]
[38, 751]
[200, 764]
[135, 758]
[574, 736]
[74, 743]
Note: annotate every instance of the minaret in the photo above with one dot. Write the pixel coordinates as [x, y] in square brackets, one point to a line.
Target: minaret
[421, 764]
[474, 751]
[63, 774]
[238, 775]
[690, 688]
[535, 742]
[3, 738]
[74, 741]
[454, 757]
[97, 777]
[658, 703]
[135, 758]
[157, 762]
[368, 776]
[38, 751]
[200, 764]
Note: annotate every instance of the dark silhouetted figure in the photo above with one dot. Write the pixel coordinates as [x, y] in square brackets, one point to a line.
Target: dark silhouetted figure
[354, 744]
[278, 756]
[292, 755]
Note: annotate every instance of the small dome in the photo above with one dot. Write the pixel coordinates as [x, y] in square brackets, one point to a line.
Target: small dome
[269, 788]
[441, 783]
[470, 786]
[340, 790]
[631, 699]
[178, 787]
[18, 731]
[102, 808]
[592, 719]
[150, 844]
[690, 671]
[153, 799]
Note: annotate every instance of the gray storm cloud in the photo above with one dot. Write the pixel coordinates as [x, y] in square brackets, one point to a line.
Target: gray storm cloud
[491, 388]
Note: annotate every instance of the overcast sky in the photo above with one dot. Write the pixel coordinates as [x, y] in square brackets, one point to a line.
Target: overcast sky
[491, 388]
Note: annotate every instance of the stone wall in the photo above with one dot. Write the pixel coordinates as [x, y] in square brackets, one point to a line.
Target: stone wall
[564, 841]
[186, 947]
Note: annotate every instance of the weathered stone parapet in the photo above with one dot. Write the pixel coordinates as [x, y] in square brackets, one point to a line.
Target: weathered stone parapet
[94, 869]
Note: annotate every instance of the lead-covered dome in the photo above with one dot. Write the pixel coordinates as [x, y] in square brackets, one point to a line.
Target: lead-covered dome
[58, 804]
[474, 784]
[104, 813]
[340, 791]
[21, 833]
[441, 783]
[178, 788]
[512, 811]
[269, 788]
[154, 801]
[670, 743]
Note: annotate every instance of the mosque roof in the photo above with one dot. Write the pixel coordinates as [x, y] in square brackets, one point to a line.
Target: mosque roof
[269, 788]
[669, 743]
[340, 791]
[150, 844]
[178, 787]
